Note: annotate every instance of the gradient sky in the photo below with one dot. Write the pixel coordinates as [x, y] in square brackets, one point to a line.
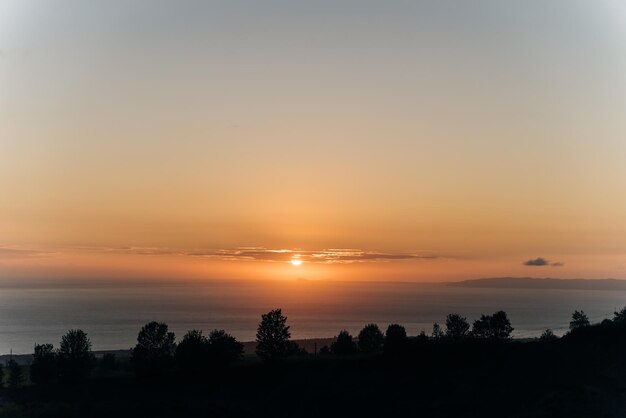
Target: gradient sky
[377, 140]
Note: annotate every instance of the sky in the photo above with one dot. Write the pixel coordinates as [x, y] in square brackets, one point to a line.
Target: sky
[370, 140]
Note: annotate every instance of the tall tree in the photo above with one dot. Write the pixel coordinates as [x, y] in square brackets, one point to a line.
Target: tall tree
[272, 336]
[224, 348]
[493, 327]
[15, 374]
[155, 348]
[579, 320]
[75, 357]
[457, 327]
[371, 339]
[43, 369]
[343, 344]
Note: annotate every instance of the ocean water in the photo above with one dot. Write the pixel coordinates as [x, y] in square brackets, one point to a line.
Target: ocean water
[112, 314]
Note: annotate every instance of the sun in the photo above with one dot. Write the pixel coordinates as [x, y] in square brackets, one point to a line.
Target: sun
[296, 262]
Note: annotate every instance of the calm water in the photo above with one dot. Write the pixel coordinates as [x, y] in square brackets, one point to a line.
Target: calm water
[113, 314]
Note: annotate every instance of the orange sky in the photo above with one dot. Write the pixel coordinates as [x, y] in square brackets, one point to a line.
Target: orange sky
[434, 142]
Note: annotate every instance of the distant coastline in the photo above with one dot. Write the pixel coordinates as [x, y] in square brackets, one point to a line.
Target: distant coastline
[542, 283]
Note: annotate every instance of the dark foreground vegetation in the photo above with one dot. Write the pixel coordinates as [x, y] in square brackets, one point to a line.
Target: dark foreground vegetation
[460, 370]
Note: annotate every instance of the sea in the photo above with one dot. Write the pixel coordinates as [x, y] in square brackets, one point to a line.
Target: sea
[113, 313]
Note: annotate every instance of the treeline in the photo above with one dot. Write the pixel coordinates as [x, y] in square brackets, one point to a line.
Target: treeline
[157, 351]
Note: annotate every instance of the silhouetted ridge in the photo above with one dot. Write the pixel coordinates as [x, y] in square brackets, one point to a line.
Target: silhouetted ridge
[543, 283]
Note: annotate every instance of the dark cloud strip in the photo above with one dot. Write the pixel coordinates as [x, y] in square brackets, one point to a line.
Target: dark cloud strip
[540, 261]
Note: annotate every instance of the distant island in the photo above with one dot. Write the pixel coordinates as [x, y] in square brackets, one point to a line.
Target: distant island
[542, 283]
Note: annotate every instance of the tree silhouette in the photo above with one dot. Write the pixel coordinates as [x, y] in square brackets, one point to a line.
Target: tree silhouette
[457, 327]
[15, 374]
[422, 337]
[437, 332]
[371, 339]
[224, 349]
[75, 356]
[155, 348]
[343, 344]
[324, 351]
[192, 353]
[272, 336]
[620, 316]
[548, 335]
[395, 339]
[1, 376]
[579, 320]
[494, 327]
[44, 366]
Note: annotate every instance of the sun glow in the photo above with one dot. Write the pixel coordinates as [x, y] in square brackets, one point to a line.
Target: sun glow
[296, 262]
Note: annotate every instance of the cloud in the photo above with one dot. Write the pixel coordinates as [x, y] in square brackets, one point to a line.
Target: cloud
[11, 253]
[540, 261]
[325, 256]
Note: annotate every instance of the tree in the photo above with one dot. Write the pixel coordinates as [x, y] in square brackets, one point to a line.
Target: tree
[15, 374]
[155, 348]
[620, 316]
[437, 332]
[294, 349]
[579, 320]
[494, 327]
[395, 339]
[1, 376]
[343, 344]
[43, 369]
[457, 327]
[422, 337]
[548, 335]
[75, 356]
[272, 336]
[192, 353]
[224, 349]
[371, 339]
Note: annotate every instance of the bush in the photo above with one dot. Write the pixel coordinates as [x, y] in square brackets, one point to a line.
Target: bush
[155, 348]
[371, 340]
[75, 358]
[343, 344]
[43, 369]
[272, 336]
